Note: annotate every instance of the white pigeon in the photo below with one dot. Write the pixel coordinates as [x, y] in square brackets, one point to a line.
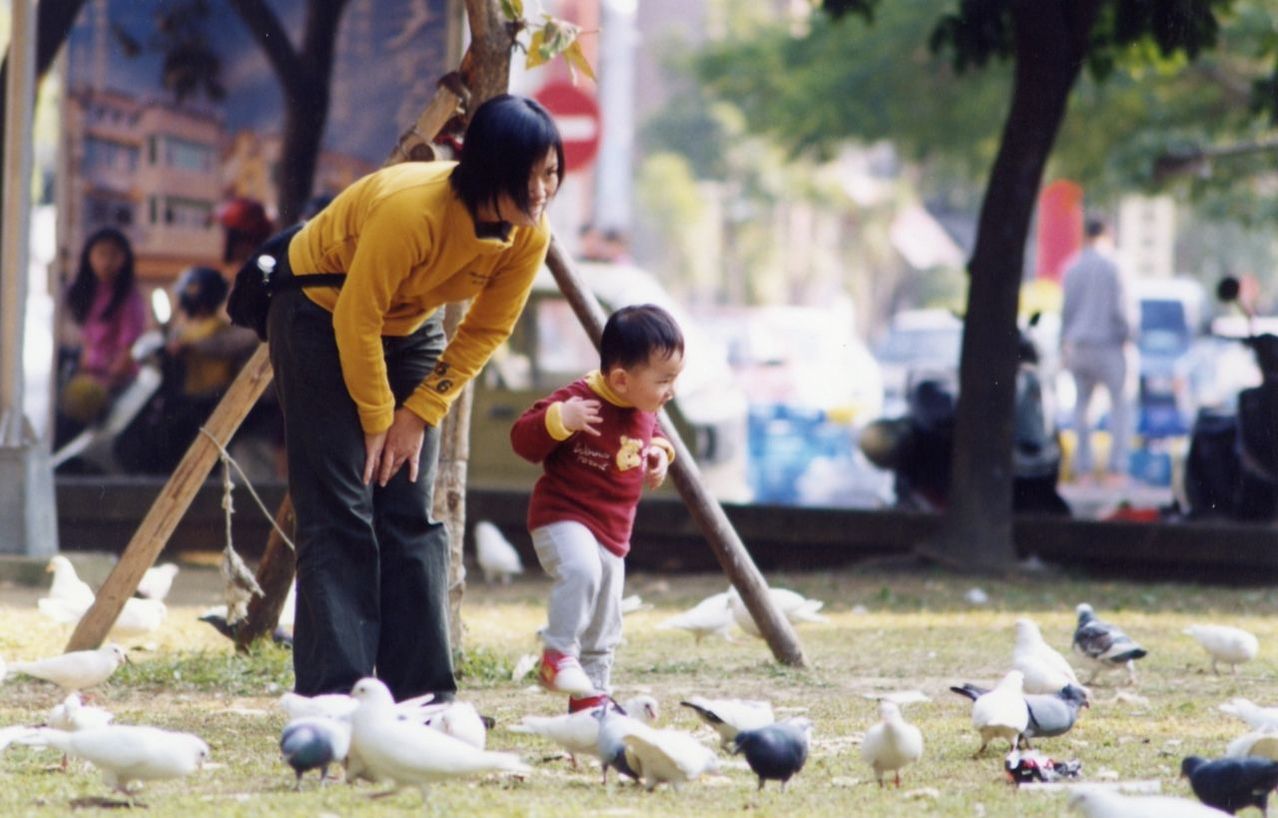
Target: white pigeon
[1256, 717]
[73, 715]
[139, 617]
[410, 755]
[891, 744]
[1261, 743]
[578, 733]
[457, 719]
[340, 706]
[668, 756]
[128, 754]
[158, 581]
[1044, 669]
[793, 606]
[8, 735]
[711, 616]
[78, 670]
[497, 558]
[1225, 643]
[67, 585]
[1093, 802]
[730, 716]
[1002, 712]
[634, 603]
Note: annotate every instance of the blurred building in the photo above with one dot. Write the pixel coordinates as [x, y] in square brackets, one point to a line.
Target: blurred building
[1146, 236]
[147, 167]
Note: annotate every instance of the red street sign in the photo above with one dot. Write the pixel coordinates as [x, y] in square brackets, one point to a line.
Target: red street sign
[576, 115]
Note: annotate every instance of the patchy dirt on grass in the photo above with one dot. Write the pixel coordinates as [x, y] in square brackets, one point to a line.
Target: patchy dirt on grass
[889, 628]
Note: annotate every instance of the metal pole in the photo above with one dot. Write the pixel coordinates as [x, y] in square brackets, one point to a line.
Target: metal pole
[26, 479]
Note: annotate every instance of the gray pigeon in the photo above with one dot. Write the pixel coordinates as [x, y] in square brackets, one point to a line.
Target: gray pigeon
[313, 743]
[1232, 784]
[1050, 714]
[776, 751]
[1105, 646]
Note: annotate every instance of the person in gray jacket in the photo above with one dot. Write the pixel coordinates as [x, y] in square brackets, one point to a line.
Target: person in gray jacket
[1096, 327]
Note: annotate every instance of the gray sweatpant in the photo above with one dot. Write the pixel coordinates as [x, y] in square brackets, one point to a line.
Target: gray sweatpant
[585, 601]
[1095, 365]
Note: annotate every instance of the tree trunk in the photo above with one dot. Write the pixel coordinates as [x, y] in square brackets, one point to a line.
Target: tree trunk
[485, 73]
[1051, 40]
[304, 76]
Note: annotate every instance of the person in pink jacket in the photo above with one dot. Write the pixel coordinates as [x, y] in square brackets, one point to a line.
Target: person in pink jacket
[600, 442]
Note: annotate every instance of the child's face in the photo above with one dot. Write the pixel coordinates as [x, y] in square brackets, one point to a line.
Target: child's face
[648, 386]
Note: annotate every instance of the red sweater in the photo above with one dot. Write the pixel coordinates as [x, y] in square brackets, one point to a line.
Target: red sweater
[595, 481]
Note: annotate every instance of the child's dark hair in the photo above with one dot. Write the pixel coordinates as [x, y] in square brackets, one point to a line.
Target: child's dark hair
[79, 298]
[507, 137]
[634, 334]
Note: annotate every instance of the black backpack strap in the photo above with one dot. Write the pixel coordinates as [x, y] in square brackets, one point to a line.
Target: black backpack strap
[312, 280]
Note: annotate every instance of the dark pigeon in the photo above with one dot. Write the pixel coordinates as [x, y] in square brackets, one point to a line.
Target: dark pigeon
[610, 746]
[279, 636]
[1050, 714]
[313, 743]
[1232, 784]
[1105, 645]
[776, 751]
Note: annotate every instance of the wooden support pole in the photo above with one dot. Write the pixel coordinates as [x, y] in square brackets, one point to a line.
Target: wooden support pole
[705, 510]
[152, 535]
[274, 576]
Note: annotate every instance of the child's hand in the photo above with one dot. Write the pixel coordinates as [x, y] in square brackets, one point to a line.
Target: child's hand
[580, 415]
[656, 462]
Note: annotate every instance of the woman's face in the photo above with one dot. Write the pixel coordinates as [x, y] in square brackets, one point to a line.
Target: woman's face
[542, 184]
[107, 258]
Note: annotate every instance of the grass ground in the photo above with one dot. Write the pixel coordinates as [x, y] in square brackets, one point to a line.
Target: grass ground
[890, 628]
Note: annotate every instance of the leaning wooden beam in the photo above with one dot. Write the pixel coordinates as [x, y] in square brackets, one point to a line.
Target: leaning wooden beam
[152, 535]
[705, 510]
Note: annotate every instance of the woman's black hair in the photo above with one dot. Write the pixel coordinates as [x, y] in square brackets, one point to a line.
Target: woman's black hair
[634, 334]
[79, 298]
[507, 136]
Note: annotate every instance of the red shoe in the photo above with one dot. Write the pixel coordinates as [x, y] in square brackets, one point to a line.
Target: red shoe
[576, 705]
[562, 673]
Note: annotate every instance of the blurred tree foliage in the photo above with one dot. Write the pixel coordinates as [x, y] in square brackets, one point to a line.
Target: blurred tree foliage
[1132, 107]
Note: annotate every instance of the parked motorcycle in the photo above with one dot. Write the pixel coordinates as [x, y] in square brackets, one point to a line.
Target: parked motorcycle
[1231, 470]
[918, 447]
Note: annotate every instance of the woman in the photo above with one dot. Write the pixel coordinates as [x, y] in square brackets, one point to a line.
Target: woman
[103, 301]
[364, 378]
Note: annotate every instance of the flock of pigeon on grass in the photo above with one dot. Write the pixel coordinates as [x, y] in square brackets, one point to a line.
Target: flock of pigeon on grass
[414, 743]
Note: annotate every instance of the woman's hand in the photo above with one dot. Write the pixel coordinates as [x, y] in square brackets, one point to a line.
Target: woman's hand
[580, 415]
[385, 453]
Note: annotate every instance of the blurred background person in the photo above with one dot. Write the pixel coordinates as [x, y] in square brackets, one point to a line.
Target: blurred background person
[103, 302]
[1096, 331]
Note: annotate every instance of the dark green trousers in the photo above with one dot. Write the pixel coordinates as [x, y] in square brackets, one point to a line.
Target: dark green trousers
[372, 563]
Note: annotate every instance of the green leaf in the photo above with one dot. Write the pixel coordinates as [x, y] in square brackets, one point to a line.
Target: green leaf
[513, 9]
[536, 50]
[576, 59]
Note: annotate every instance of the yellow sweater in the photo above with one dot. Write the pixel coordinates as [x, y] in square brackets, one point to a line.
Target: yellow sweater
[407, 245]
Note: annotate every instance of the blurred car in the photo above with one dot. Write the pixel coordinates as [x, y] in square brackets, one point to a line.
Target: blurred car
[917, 343]
[1170, 317]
